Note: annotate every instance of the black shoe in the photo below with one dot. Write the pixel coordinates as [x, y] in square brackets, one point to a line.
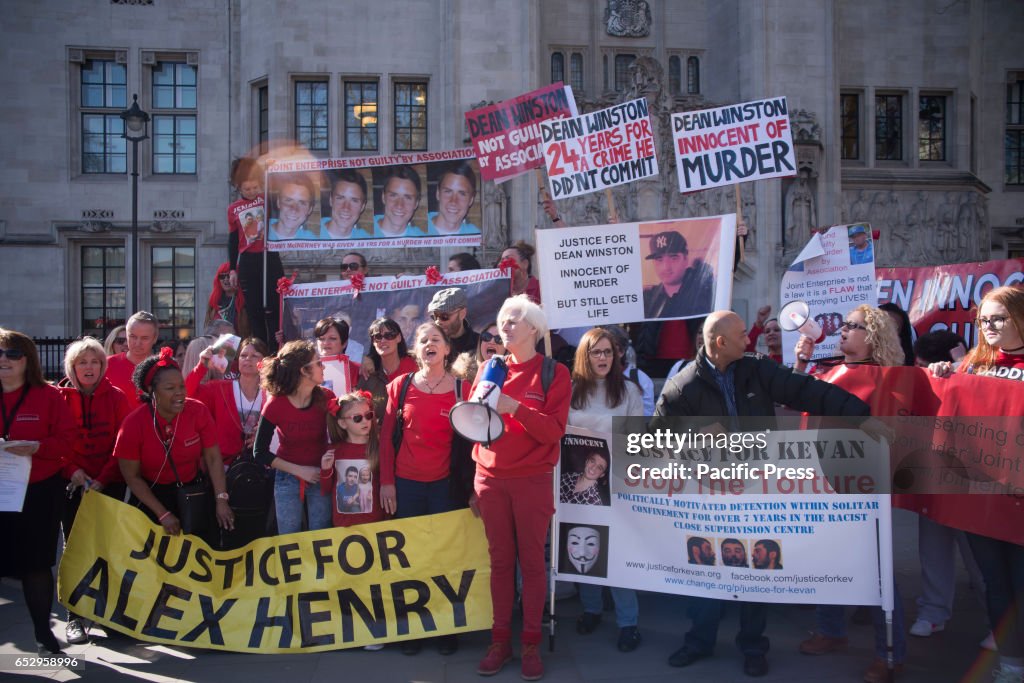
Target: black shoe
[629, 639]
[46, 644]
[755, 665]
[684, 656]
[411, 647]
[75, 632]
[448, 645]
[586, 623]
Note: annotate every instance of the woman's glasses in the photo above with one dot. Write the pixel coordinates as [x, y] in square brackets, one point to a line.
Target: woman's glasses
[850, 326]
[359, 418]
[12, 354]
[120, 340]
[488, 337]
[601, 353]
[996, 322]
[386, 335]
[353, 266]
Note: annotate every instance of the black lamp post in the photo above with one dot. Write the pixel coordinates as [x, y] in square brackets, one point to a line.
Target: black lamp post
[136, 129]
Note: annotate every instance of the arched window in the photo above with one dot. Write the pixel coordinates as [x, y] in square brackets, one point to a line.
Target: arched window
[576, 72]
[692, 76]
[557, 67]
[675, 75]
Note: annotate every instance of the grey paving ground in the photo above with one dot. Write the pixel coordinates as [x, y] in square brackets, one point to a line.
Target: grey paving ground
[952, 655]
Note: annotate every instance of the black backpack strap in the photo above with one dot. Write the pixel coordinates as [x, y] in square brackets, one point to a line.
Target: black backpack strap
[547, 374]
[634, 375]
[396, 435]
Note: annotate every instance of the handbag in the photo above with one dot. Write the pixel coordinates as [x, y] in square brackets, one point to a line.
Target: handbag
[195, 499]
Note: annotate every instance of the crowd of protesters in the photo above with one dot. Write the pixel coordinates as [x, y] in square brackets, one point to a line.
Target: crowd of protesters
[139, 425]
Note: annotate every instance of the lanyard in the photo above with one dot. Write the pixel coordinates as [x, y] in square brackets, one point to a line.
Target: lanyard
[8, 421]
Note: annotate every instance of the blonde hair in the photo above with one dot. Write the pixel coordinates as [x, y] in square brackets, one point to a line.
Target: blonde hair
[528, 312]
[882, 336]
[108, 343]
[76, 351]
[339, 435]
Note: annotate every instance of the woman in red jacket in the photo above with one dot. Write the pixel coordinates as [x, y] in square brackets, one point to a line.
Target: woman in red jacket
[98, 408]
[1000, 353]
[514, 480]
[234, 403]
[33, 412]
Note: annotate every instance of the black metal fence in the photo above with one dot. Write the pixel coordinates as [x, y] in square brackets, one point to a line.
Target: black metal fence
[51, 356]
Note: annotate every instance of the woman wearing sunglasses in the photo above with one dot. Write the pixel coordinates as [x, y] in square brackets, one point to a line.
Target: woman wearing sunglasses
[600, 392]
[489, 344]
[295, 411]
[33, 414]
[415, 471]
[389, 358]
[98, 409]
[116, 342]
[1000, 353]
[867, 337]
[227, 302]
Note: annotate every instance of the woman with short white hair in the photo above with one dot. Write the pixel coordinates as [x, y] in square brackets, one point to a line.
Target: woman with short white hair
[514, 480]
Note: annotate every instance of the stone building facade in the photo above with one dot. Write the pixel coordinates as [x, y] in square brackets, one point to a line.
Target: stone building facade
[909, 115]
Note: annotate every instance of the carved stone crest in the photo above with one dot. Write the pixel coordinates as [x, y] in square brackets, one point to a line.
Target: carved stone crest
[94, 226]
[628, 18]
[805, 126]
[165, 226]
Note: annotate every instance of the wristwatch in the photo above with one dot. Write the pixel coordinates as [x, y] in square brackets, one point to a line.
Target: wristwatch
[222, 496]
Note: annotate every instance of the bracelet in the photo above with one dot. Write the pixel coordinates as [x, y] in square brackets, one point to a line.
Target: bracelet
[163, 516]
[556, 219]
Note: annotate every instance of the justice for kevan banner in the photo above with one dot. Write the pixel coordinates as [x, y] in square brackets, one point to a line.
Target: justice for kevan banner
[307, 592]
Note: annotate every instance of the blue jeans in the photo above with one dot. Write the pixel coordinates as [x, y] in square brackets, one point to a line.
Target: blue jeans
[1002, 565]
[627, 609]
[416, 498]
[832, 623]
[705, 614]
[289, 506]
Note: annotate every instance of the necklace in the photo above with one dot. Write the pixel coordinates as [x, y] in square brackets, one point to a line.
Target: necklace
[246, 413]
[431, 387]
[1019, 348]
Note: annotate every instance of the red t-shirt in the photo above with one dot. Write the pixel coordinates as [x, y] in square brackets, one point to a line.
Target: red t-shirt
[119, 372]
[674, 341]
[1006, 366]
[192, 431]
[249, 241]
[405, 366]
[44, 417]
[301, 433]
[425, 452]
[533, 434]
[357, 503]
[98, 417]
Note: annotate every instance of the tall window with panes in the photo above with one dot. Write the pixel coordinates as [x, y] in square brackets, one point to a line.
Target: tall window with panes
[311, 115]
[173, 287]
[1014, 145]
[361, 116]
[889, 127]
[104, 95]
[849, 118]
[410, 117]
[103, 289]
[931, 128]
[174, 118]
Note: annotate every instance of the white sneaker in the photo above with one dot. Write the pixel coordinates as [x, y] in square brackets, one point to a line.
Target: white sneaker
[989, 643]
[923, 628]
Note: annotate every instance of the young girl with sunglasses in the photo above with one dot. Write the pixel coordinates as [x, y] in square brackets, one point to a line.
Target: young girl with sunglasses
[352, 428]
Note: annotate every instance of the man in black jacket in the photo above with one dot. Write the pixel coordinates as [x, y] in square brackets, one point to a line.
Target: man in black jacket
[726, 382]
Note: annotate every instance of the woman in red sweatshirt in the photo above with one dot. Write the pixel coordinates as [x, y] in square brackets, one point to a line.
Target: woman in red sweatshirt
[33, 412]
[415, 476]
[98, 408]
[1000, 353]
[514, 483]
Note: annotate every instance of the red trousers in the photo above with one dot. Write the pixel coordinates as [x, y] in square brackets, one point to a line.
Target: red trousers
[516, 514]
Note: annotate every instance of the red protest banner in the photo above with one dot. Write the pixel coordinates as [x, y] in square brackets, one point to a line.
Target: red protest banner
[506, 135]
[951, 440]
[945, 297]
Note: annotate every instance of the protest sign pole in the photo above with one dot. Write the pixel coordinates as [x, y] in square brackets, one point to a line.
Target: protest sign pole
[739, 218]
[541, 184]
[613, 214]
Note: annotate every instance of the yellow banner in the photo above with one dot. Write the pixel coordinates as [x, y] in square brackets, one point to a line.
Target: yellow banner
[308, 592]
